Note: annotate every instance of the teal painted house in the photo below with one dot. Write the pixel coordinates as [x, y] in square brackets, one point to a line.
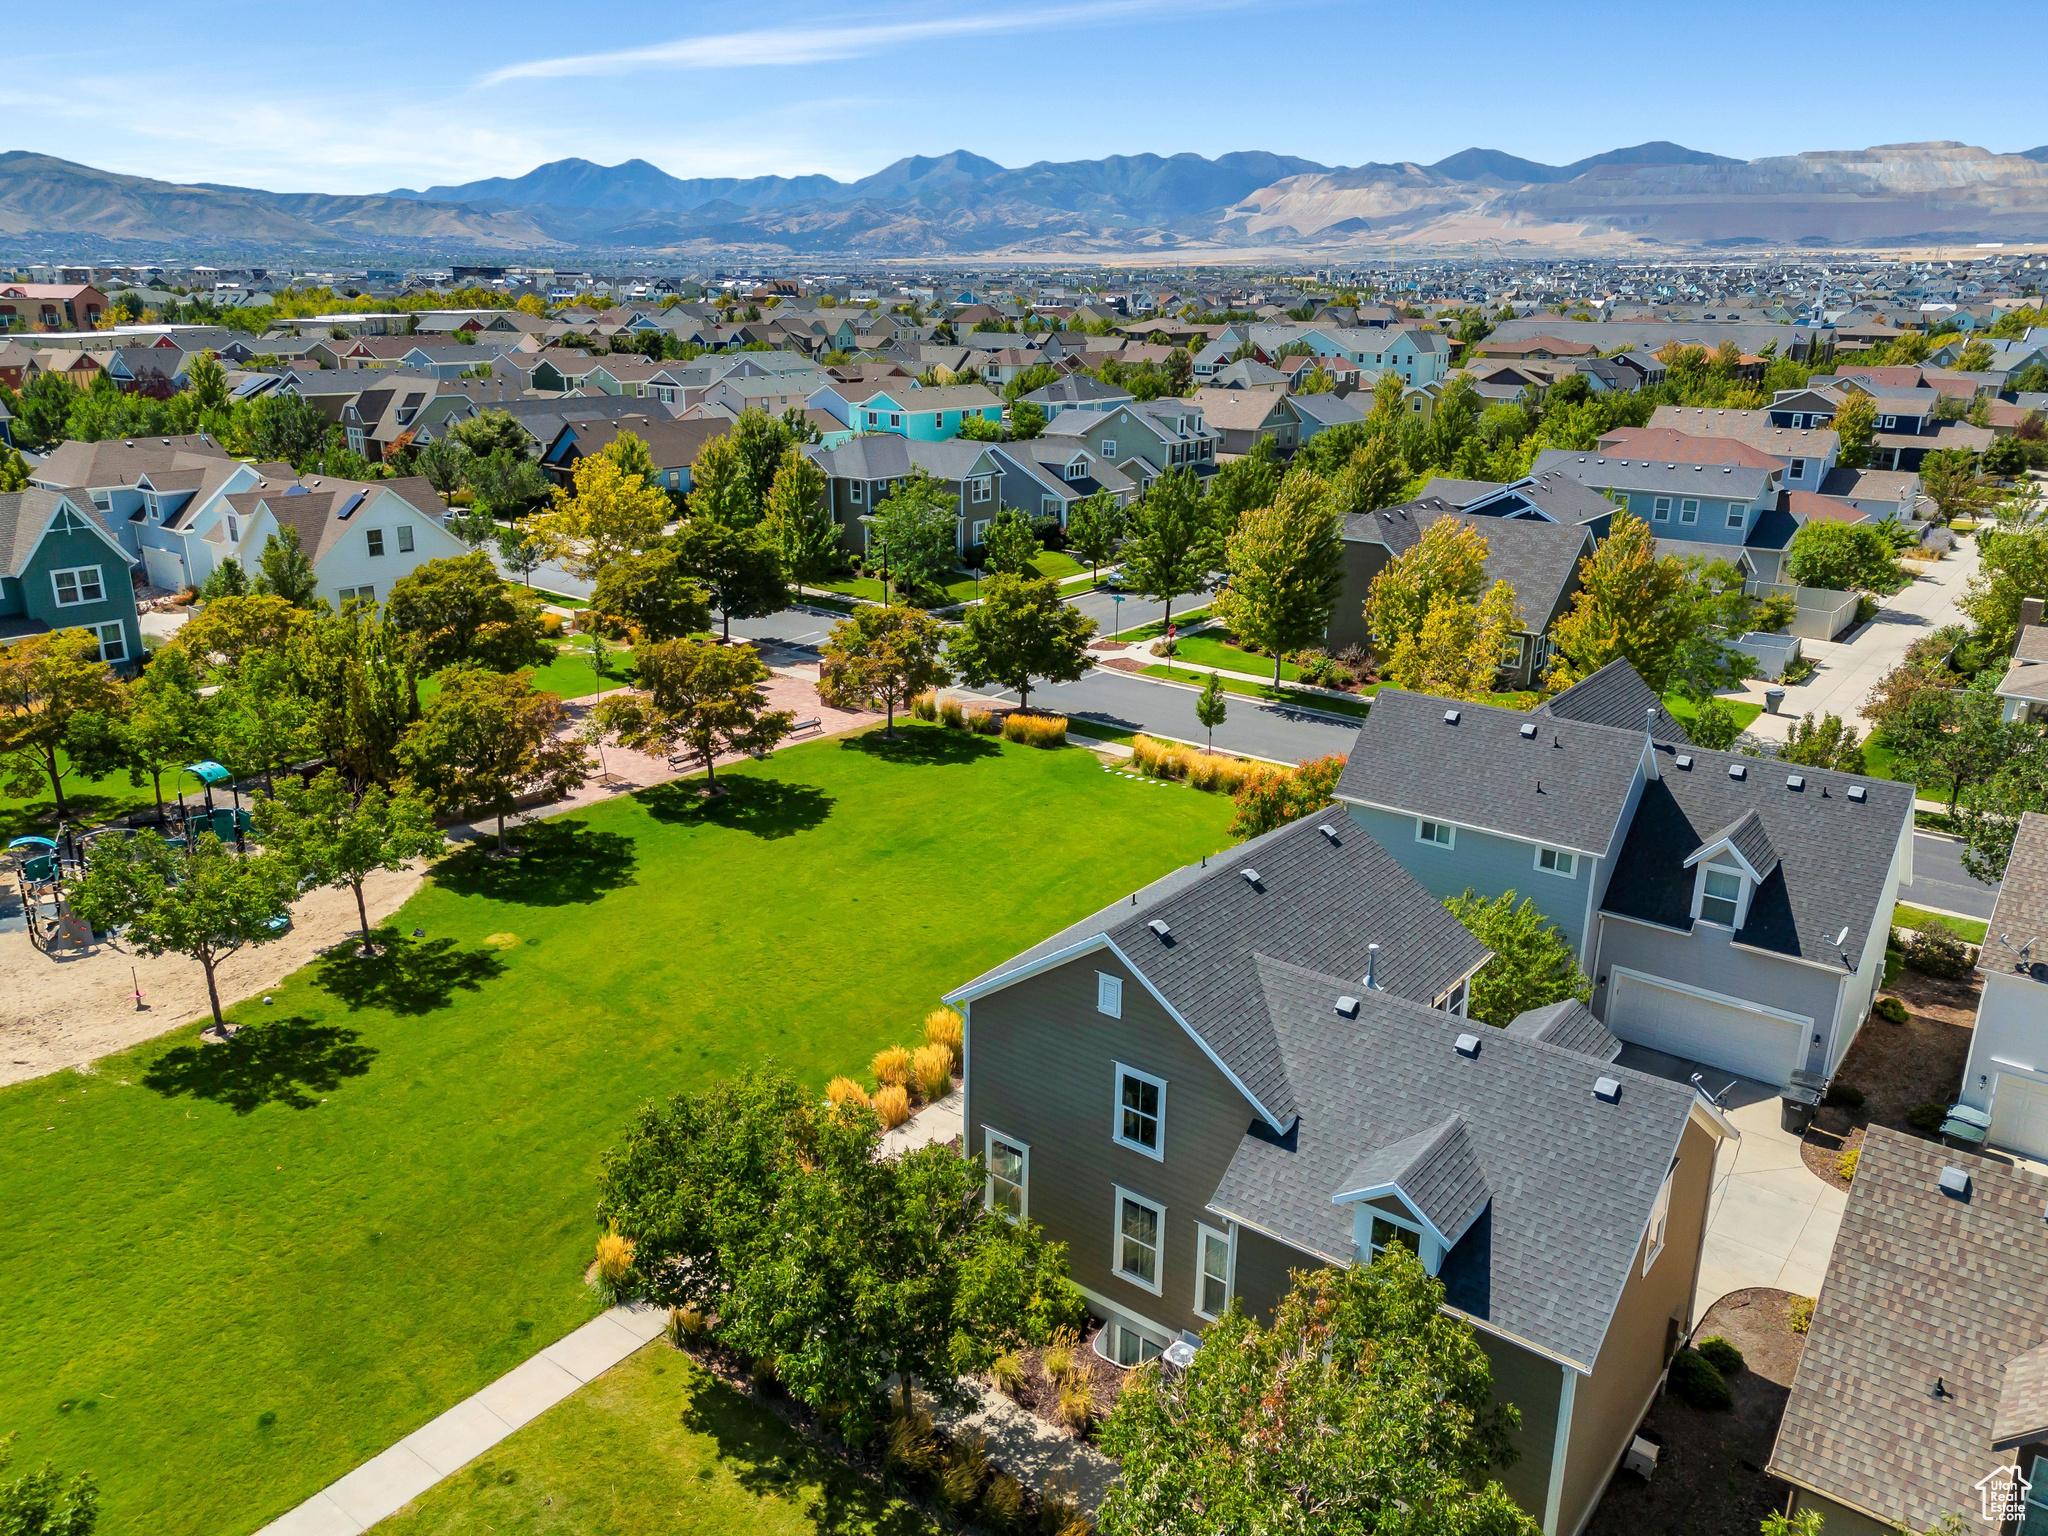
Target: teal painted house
[64, 569]
[926, 415]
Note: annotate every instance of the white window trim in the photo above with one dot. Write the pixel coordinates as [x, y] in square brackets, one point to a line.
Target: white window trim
[406, 541]
[978, 533]
[1660, 510]
[1660, 1220]
[1557, 854]
[1689, 509]
[989, 1136]
[1110, 990]
[1203, 1232]
[1738, 515]
[1116, 1124]
[373, 541]
[1744, 889]
[120, 639]
[983, 489]
[1370, 1213]
[1116, 1252]
[1107, 451]
[1430, 842]
[76, 571]
[853, 492]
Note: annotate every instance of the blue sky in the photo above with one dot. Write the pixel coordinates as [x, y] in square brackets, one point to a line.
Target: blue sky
[382, 94]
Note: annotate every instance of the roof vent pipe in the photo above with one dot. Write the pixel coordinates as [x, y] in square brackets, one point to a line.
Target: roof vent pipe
[1372, 964]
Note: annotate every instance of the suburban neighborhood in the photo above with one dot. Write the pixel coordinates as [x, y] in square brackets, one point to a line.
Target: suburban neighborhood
[1450, 835]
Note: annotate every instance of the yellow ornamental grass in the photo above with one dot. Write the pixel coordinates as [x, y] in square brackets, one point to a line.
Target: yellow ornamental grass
[1077, 1408]
[942, 1026]
[891, 1105]
[933, 1068]
[614, 1257]
[891, 1066]
[1035, 730]
[844, 1090]
[925, 706]
[953, 713]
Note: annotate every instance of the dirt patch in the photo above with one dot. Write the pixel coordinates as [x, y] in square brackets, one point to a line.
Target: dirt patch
[1107, 645]
[1895, 1068]
[1822, 1151]
[1126, 664]
[1710, 1473]
[1933, 997]
[1040, 1396]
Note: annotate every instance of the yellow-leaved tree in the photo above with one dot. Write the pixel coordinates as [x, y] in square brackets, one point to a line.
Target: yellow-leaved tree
[1435, 624]
[1629, 606]
[608, 514]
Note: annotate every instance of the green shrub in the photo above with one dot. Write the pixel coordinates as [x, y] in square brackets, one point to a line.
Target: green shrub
[1890, 1009]
[1799, 1313]
[1695, 1380]
[1721, 1355]
[951, 713]
[1847, 1095]
[1938, 951]
[1035, 730]
[1927, 1117]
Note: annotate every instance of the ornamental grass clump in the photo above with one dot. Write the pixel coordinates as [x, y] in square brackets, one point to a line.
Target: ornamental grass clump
[983, 722]
[953, 714]
[925, 706]
[1157, 759]
[1059, 1358]
[1002, 1504]
[891, 1066]
[965, 1467]
[614, 1264]
[891, 1105]
[1035, 730]
[1077, 1407]
[686, 1325]
[910, 1447]
[932, 1066]
[943, 1026]
[1006, 1373]
[844, 1090]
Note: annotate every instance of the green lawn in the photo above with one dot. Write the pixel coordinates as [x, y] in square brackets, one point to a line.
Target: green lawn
[1215, 648]
[1684, 711]
[657, 1443]
[234, 1272]
[86, 801]
[1969, 928]
[1157, 628]
[1264, 692]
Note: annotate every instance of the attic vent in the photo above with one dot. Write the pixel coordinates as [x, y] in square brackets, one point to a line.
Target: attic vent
[1528, 730]
[1737, 771]
[1158, 926]
[1684, 760]
[1251, 876]
[1795, 781]
[1348, 1007]
[1450, 717]
[1328, 831]
[1607, 1090]
[1468, 1045]
[1955, 1182]
[1858, 793]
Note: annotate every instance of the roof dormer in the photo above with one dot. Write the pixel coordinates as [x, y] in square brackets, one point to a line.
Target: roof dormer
[1424, 1192]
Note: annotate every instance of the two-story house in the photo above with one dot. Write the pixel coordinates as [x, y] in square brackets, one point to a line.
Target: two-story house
[361, 536]
[1807, 453]
[1144, 439]
[1243, 418]
[673, 445]
[1276, 1040]
[1706, 509]
[1730, 910]
[862, 471]
[932, 415]
[61, 567]
[1044, 477]
[1078, 392]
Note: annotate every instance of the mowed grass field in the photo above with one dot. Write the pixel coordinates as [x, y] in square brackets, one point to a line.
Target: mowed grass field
[234, 1272]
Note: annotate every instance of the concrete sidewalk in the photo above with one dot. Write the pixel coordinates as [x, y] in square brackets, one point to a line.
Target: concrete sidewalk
[387, 1483]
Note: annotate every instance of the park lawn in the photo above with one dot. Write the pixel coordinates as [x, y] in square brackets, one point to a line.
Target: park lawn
[234, 1272]
[657, 1443]
[570, 675]
[1968, 928]
[854, 586]
[87, 802]
[1684, 711]
[1265, 692]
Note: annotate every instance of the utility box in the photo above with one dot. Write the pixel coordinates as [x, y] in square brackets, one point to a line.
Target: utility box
[1640, 1458]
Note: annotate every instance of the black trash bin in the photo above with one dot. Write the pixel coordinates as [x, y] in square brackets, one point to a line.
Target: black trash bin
[1798, 1099]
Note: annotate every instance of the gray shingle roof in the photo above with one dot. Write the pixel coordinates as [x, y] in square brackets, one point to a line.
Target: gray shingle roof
[1319, 901]
[1615, 695]
[1599, 471]
[1538, 559]
[1437, 1172]
[1571, 1179]
[1566, 785]
[2021, 915]
[25, 514]
[1556, 495]
[1833, 852]
[1570, 1026]
[1922, 1286]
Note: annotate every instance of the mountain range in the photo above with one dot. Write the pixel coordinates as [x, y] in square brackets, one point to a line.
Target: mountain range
[1658, 195]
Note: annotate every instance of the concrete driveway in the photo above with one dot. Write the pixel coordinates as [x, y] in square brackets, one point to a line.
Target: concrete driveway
[1770, 1222]
[1851, 667]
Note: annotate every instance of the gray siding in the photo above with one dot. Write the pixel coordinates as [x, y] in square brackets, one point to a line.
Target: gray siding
[1483, 862]
[1532, 1382]
[1362, 562]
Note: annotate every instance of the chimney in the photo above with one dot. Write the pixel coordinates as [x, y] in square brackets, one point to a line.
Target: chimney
[2030, 611]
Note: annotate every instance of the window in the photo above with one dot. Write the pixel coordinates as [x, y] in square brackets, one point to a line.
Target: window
[1720, 896]
[1660, 1217]
[405, 538]
[79, 584]
[1441, 833]
[375, 536]
[984, 488]
[1133, 1348]
[980, 533]
[1077, 469]
[1009, 1175]
[1663, 511]
[1212, 1272]
[1109, 449]
[1621, 500]
[1138, 1225]
[234, 529]
[939, 420]
[1109, 994]
[1140, 1112]
[853, 492]
[1390, 1229]
[871, 418]
[113, 642]
[353, 594]
[1798, 470]
[1738, 514]
[1049, 506]
[104, 500]
[1556, 861]
[1688, 511]
[895, 418]
[1888, 422]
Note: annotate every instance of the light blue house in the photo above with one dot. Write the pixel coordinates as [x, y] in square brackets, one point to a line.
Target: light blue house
[1695, 503]
[926, 415]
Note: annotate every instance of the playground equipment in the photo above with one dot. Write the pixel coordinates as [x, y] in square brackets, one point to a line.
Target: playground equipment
[39, 868]
[229, 825]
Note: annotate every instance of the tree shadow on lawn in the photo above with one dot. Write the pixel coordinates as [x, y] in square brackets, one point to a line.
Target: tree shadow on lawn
[405, 976]
[558, 864]
[285, 1062]
[923, 745]
[769, 1460]
[768, 808]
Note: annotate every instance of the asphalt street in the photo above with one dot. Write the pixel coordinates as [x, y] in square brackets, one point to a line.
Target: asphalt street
[1939, 880]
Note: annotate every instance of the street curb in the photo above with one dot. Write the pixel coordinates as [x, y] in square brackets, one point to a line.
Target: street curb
[1320, 714]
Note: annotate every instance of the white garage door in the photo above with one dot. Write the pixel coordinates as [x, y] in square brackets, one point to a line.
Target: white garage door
[163, 568]
[2019, 1116]
[1722, 1034]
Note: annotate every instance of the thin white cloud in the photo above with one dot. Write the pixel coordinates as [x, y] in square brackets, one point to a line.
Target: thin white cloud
[807, 44]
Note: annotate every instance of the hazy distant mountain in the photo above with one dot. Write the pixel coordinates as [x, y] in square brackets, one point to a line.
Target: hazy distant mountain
[1657, 194]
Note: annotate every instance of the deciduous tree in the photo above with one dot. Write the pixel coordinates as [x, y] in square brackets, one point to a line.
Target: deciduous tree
[486, 739]
[2013, 567]
[1844, 557]
[1095, 527]
[1011, 544]
[705, 697]
[52, 686]
[1532, 965]
[881, 656]
[653, 594]
[1211, 707]
[460, 610]
[1855, 424]
[161, 724]
[737, 566]
[1172, 544]
[1625, 608]
[1286, 565]
[799, 524]
[1826, 743]
[605, 515]
[286, 570]
[914, 533]
[336, 838]
[1020, 630]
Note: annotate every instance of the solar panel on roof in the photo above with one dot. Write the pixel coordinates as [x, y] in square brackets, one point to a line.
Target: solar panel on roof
[349, 506]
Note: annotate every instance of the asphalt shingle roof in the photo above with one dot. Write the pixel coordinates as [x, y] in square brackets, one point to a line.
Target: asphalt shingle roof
[1435, 1169]
[2021, 914]
[1537, 559]
[1615, 695]
[1922, 1287]
[1570, 1180]
[1570, 1026]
